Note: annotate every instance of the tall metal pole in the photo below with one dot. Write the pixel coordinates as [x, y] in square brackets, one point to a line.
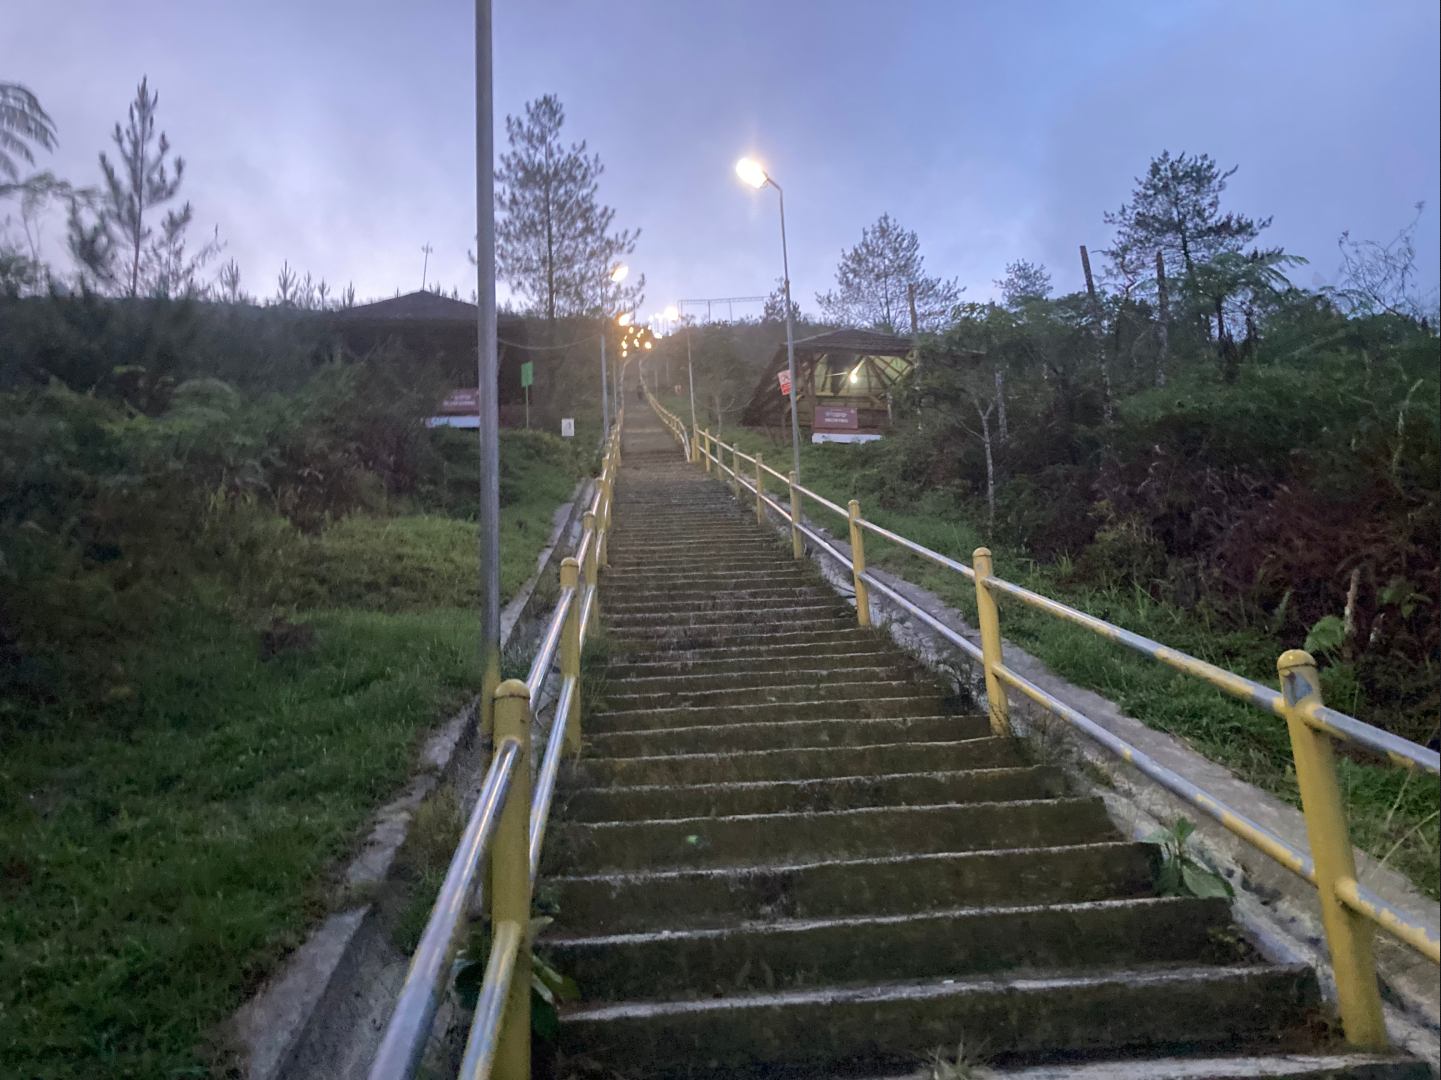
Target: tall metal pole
[489, 369]
[790, 337]
[604, 378]
[690, 368]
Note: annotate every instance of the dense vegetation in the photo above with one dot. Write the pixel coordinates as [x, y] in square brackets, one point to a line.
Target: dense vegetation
[238, 586]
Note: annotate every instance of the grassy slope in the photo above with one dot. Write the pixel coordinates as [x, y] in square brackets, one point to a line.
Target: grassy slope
[1393, 815]
[161, 858]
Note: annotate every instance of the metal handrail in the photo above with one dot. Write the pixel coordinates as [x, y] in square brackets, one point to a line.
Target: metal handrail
[410, 1023]
[1299, 704]
[549, 768]
[414, 1014]
[485, 1024]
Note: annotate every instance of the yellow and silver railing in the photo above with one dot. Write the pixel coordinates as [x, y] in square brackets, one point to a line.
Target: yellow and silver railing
[1349, 911]
[508, 822]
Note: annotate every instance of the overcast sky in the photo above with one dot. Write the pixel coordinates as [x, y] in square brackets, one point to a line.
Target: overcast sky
[340, 136]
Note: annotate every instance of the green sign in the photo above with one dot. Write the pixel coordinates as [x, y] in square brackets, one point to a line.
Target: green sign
[527, 373]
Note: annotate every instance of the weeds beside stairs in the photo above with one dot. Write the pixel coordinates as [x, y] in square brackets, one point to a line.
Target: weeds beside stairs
[788, 851]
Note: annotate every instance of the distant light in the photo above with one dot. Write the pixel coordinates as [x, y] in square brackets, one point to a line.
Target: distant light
[672, 313]
[647, 344]
[856, 375]
[623, 318]
[751, 172]
[620, 271]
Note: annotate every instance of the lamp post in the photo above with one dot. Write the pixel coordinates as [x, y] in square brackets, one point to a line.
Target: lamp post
[489, 404]
[617, 275]
[753, 174]
[690, 370]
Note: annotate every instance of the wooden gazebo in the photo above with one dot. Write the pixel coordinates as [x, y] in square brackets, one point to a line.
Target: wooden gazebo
[843, 384]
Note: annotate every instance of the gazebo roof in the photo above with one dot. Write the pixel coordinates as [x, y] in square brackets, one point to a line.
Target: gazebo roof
[417, 305]
[867, 342]
[880, 359]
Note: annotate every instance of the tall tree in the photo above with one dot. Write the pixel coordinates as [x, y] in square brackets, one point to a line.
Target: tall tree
[1175, 209]
[553, 243]
[22, 122]
[874, 280]
[1024, 282]
[120, 245]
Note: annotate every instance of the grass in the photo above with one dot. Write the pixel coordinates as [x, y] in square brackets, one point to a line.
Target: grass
[162, 852]
[1392, 814]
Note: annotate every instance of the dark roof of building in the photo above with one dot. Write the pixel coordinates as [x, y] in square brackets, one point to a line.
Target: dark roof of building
[416, 305]
[859, 341]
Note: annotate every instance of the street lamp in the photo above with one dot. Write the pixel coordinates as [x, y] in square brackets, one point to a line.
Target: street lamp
[617, 275]
[755, 175]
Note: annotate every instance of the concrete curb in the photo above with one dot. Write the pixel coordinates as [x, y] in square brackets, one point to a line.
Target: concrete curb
[287, 1011]
[1278, 911]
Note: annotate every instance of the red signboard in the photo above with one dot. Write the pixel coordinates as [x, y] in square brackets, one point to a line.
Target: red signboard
[785, 380]
[461, 403]
[834, 419]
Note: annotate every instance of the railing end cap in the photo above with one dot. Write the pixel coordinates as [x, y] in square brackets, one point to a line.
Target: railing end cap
[512, 688]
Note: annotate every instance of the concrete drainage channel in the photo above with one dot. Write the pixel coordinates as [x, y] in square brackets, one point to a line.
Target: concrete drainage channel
[323, 1013]
[1278, 912]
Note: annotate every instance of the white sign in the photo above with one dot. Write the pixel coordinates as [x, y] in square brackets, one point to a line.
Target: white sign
[567, 427]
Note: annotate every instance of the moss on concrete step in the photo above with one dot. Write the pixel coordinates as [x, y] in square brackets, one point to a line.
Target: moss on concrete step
[793, 954]
[621, 903]
[793, 764]
[797, 796]
[807, 837]
[787, 735]
[849, 1031]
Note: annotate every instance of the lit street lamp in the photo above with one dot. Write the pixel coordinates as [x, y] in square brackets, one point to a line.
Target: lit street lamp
[617, 275]
[753, 174]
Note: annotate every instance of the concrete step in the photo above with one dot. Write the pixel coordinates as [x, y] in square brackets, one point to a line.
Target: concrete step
[770, 712]
[798, 796]
[1294, 1066]
[796, 954]
[835, 1032]
[668, 602]
[642, 901]
[807, 764]
[759, 679]
[819, 632]
[864, 650]
[842, 691]
[734, 738]
[777, 614]
[591, 847]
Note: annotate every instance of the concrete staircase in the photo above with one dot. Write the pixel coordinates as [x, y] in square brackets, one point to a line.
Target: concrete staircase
[789, 852]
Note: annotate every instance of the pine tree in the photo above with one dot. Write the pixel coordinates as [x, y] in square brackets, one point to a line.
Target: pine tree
[874, 281]
[1175, 209]
[120, 245]
[553, 243]
[1024, 281]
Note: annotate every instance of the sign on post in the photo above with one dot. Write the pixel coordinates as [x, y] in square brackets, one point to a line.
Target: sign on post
[785, 381]
[567, 427]
[831, 417]
[527, 373]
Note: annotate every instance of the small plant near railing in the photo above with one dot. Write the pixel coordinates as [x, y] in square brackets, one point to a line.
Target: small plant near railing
[941, 1065]
[1180, 874]
[547, 986]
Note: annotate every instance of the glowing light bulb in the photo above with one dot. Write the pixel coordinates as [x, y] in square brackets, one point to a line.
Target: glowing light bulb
[623, 318]
[672, 313]
[749, 170]
[620, 271]
[856, 375]
[647, 344]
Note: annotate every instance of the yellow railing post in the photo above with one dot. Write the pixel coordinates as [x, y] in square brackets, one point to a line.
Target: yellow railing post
[590, 564]
[705, 432]
[736, 473]
[990, 626]
[858, 567]
[570, 652]
[510, 880]
[798, 549]
[695, 444]
[760, 492]
[1347, 933]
